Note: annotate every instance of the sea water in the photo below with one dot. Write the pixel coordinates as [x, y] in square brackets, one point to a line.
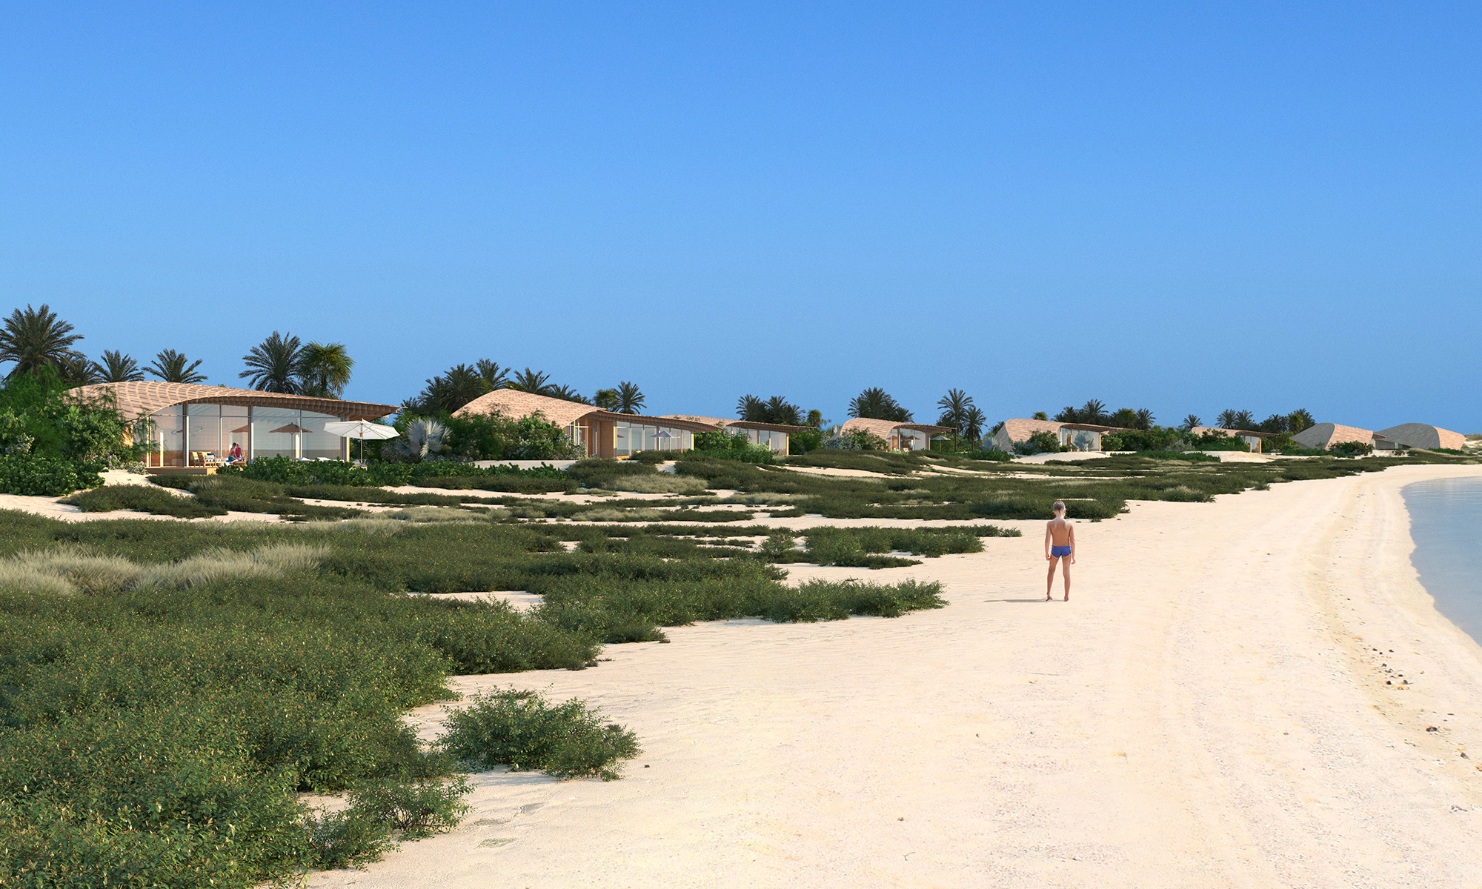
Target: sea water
[1446, 522]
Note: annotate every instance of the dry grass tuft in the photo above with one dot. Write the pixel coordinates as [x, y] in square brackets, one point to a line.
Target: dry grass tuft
[221, 564]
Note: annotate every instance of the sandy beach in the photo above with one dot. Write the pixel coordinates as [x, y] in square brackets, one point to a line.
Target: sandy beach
[1255, 692]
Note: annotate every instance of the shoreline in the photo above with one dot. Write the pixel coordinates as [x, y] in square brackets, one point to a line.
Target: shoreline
[1210, 709]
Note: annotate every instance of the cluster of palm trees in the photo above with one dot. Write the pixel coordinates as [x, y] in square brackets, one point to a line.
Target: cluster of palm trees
[1095, 413]
[32, 339]
[284, 363]
[875, 403]
[462, 383]
[1231, 418]
[776, 409]
[965, 419]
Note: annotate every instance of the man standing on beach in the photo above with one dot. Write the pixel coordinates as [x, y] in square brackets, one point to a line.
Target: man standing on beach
[1059, 547]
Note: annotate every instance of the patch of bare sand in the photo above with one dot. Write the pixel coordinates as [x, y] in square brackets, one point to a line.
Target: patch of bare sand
[1207, 711]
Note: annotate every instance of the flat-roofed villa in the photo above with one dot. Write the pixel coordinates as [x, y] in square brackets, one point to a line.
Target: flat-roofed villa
[775, 436]
[1253, 440]
[1325, 435]
[191, 427]
[898, 436]
[1079, 436]
[1422, 435]
[598, 432]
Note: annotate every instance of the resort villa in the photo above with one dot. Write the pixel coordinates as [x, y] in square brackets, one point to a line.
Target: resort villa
[1078, 436]
[1420, 435]
[1325, 435]
[775, 436]
[898, 436]
[191, 427]
[1252, 439]
[600, 433]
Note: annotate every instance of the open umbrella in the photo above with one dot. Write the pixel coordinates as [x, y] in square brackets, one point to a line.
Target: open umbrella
[361, 429]
[294, 430]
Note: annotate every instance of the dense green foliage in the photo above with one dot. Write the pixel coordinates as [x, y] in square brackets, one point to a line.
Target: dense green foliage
[726, 446]
[520, 729]
[50, 445]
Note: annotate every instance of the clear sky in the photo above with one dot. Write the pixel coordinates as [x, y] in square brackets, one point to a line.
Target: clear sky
[1181, 206]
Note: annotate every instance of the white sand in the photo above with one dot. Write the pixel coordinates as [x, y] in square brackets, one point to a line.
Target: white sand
[1208, 711]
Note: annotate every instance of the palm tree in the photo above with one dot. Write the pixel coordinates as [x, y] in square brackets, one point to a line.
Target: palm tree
[1234, 419]
[1144, 418]
[751, 409]
[1299, 420]
[1094, 412]
[36, 338]
[876, 404]
[1040, 415]
[453, 389]
[779, 410]
[954, 407]
[323, 369]
[76, 370]
[174, 367]
[1067, 415]
[607, 399]
[116, 367]
[1123, 418]
[495, 376]
[566, 393]
[815, 419]
[1276, 423]
[1190, 422]
[973, 421]
[629, 398]
[273, 365]
[533, 381]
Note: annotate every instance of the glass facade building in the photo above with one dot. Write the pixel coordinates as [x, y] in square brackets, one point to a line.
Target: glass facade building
[203, 434]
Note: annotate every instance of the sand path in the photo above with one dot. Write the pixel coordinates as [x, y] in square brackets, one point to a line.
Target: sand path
[1208, 711]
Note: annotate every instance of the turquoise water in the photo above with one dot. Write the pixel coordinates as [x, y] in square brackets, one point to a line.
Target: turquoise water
[1446, 522]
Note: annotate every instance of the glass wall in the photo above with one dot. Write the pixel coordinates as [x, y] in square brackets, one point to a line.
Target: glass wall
[203, 434]
[630, 438]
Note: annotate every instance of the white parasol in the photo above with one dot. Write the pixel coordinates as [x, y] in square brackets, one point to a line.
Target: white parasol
[361, 429]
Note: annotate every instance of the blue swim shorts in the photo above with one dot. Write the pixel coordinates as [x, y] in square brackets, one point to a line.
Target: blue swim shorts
[1059, 552]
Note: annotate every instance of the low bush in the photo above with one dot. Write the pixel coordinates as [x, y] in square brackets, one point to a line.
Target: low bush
[523, 731]
[142, 498]
[663, 483]
[411, 809]
[738, 447]
[348, 838]
[41, 475]
[858, 440]
[1351, 449]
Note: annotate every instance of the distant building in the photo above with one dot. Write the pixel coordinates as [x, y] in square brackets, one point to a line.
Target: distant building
[1325, 435]
[1077, 436]
[776, 436]
[1420, 435]
[600, 433]
[898, 436]
[1252, 440]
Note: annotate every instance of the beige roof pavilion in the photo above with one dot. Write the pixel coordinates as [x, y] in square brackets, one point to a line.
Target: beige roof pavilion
[602, 433]
[1422, 435]
[135, 400]
[777, 436]
[896, 434]
[1325, 435]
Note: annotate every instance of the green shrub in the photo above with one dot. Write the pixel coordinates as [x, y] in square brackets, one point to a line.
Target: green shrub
[412, 809]
[345, 839]
[804, 441]
[1351, 449]
[42, 475]
[1216, 441]
[738, 447]
[858, 440]
[142, 498]
[520, 729]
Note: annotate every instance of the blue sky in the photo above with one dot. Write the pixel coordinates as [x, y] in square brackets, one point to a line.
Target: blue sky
[1181, 206]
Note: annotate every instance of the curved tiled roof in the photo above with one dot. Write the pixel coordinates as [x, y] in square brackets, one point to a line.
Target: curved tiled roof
[884, 428]
[1325, 435]
[1422, 435]
[722, 423]
[515, 404]
[1019, 429]
[140, 399]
